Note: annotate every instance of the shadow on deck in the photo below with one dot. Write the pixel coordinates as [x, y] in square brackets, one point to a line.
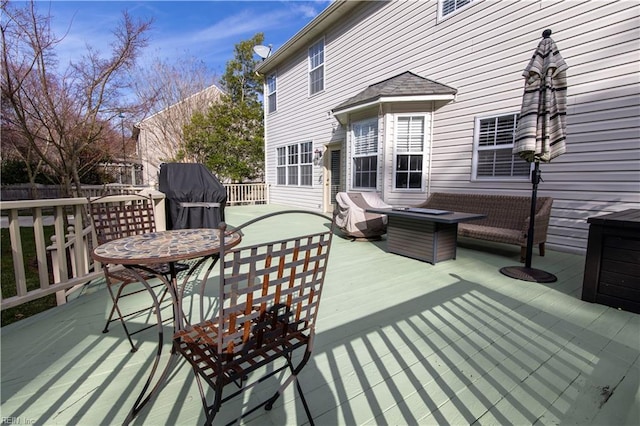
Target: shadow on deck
[399, 342]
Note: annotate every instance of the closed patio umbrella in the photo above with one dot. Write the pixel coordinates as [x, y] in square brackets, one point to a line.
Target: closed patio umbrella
[541, 131]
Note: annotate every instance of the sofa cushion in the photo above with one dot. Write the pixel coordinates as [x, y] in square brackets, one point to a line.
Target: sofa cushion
[491, 233]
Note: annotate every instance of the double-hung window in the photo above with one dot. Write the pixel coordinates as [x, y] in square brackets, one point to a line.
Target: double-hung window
[493, 146]
[294, 164]
[364, 136]
[271, 93]
[409, 150]
[281, 165]
[448, 7]
[306, 164]
[316, 67]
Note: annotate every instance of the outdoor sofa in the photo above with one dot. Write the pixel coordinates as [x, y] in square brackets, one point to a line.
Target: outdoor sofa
[507, 218]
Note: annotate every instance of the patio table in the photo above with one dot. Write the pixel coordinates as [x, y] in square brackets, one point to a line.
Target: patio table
[137, 253]
[428, 236]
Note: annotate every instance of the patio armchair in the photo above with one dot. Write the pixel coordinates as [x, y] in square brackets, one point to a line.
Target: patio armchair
[264, 315]
[113, 218]
[351, 216]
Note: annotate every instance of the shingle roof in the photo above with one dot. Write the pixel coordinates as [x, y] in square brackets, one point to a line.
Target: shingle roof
[405, 84]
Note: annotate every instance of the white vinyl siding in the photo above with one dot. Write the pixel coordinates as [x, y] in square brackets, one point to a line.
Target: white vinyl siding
[493, 146]
[480, 50]
[271, 93]
[316, 67]
[294, 164]
[364, 136]
[409, 152]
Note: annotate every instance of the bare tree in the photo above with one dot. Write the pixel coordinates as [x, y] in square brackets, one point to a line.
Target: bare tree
[172, 93]
[63, 116]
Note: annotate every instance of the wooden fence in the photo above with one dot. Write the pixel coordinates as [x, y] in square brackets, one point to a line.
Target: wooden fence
[47, 192]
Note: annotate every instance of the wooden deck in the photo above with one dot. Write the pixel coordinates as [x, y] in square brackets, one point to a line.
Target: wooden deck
[399, 342]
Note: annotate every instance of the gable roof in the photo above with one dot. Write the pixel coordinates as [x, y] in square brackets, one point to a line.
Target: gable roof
[405, 87]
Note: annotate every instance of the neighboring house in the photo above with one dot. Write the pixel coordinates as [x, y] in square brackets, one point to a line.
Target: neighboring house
[409, 98]
[160, 136]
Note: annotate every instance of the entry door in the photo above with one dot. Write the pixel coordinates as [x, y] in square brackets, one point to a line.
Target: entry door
[333, 182]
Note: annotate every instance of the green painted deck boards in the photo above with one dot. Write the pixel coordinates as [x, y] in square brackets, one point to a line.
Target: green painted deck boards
[399, 342]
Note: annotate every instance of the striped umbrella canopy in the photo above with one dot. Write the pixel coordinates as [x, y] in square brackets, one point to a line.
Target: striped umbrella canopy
[541, 130]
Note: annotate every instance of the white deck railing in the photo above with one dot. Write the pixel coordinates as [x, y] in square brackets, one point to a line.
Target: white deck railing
[246, 193]
[64, 264]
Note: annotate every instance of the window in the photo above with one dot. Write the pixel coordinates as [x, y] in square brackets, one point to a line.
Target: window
[281, 169]
[448, 7]
[294, 164]
[409, 149]
[316, 68]
[493, 145]
[271, 93]
[306, 160]
[364, 135]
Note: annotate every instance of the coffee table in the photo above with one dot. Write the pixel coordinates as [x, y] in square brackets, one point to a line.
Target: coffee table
[428, 237]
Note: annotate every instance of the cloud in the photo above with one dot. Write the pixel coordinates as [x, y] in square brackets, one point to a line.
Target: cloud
[243, 23]
[307, 10]
[215, 42]
[208, 30]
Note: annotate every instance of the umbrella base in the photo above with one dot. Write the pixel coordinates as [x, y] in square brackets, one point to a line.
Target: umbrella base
[528, 274]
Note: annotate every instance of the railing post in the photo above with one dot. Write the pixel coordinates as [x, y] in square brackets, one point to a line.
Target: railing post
[61, 299]
[160, 206]
[18, 257]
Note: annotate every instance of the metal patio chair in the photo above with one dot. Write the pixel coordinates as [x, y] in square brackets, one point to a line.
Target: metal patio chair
[113, 218]
[268, 300]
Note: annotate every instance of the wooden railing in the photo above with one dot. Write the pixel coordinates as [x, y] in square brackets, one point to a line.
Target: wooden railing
[67, 258]
[29, 192]
[64, 264]
[246, 193]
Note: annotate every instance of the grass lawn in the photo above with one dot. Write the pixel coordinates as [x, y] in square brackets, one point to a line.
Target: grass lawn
[31, 270]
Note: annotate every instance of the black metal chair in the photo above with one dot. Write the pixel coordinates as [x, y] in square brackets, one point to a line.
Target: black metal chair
[114, 218]
[268, 300]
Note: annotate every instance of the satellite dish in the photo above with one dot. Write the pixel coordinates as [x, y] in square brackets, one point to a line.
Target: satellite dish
[262, 51]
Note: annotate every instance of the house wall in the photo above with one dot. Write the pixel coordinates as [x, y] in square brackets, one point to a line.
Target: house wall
[161, 136]
[481, 51]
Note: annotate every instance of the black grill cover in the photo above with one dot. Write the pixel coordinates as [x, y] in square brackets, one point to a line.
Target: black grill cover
[195, 197]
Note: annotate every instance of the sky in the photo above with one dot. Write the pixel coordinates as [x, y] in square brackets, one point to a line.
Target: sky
[207, 30]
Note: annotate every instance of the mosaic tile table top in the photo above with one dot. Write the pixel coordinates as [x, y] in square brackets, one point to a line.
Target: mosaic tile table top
[164, 246]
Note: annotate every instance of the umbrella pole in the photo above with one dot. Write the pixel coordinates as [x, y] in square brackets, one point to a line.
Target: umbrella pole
[527, 273]
[535, 179]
